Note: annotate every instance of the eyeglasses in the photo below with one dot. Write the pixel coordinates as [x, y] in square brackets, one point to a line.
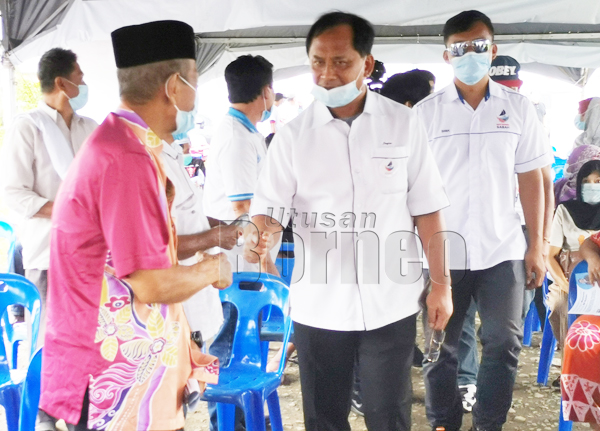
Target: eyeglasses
[479, 46]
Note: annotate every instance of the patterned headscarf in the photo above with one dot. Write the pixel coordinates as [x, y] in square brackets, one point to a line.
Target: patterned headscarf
[591, 116]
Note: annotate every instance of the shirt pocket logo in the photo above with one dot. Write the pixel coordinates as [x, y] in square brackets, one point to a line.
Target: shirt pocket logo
[390, 168]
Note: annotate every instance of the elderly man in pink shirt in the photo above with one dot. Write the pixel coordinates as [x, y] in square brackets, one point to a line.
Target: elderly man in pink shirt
[117, 351]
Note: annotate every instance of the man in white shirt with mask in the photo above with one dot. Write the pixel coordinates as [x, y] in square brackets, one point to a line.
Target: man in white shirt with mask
[36, 154]
[354, 152]
[37, 151]
[481, 134]
[238, 150]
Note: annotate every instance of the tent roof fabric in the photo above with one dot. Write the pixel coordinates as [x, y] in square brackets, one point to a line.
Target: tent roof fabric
[541, 31]
[24, 19]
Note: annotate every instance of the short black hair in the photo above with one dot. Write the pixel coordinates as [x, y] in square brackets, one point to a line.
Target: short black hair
[412, 86]
[587, 168]
[54, 63]
[363, 34]
[278, 97]
[464, 21]
[246, 76]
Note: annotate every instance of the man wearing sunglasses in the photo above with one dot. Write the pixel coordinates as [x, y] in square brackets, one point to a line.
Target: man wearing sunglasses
[481, 134]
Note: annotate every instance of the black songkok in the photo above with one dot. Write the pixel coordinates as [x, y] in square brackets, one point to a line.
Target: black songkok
[136, 45]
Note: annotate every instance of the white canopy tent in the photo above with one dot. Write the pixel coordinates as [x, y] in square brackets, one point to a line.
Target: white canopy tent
[560, 33]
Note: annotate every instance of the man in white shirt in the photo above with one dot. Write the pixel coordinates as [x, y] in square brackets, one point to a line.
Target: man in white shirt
[481, 134]
[36, 154]
[355, 171]
[196, 232]
[237, 149]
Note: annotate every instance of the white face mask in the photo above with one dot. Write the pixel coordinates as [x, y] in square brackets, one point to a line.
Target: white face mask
[339, 96]
[590, 193]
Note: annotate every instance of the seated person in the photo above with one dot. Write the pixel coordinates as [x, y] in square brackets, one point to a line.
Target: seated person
[574, 221]
[581, 374]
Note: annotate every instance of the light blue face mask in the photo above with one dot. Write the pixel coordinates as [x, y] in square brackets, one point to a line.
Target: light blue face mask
[187, 159]
[184, 119]
[590, 193]
[81, 99]
[339, 96]
[266, 114]
[471, 67]
[579, 123]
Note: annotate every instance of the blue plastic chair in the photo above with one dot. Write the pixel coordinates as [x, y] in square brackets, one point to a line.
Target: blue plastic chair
[242, 381]
[285, 265]
[548, 346]
[16, 289]
[6, 232]
[582, 267]
[532, 324]
[30, 398]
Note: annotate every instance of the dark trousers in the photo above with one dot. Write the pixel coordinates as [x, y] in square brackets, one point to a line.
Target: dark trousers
[326, 360]
[498, 293]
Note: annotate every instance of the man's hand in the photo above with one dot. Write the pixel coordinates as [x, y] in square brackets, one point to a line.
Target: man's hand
[255, 244]
[594, 268]
[439, 306]
[45, 211]
[219, 264]
[535, 269]
[226, 236]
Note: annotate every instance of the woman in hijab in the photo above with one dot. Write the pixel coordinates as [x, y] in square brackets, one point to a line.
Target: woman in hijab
[574, 221]
[565, 188]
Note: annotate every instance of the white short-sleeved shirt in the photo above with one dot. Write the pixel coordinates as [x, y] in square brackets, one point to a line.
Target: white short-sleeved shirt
[323, 171]
[236, 155]
[478, 153]
[203, 310]
[29, 179]
[565, 233]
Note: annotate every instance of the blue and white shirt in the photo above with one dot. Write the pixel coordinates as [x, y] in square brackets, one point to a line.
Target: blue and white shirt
[236, 155]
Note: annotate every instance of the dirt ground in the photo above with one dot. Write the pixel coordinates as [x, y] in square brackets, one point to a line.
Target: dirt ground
[535, 408]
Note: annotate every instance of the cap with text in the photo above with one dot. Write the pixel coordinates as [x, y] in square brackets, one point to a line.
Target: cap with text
[505, 71]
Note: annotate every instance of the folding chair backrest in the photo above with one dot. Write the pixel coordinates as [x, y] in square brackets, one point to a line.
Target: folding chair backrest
[16, 289]
[250, 293]
[6, 232]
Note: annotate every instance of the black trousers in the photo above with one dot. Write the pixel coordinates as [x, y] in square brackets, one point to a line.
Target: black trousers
[326, 360]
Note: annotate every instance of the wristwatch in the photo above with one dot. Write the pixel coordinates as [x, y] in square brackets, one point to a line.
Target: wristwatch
[197, 338]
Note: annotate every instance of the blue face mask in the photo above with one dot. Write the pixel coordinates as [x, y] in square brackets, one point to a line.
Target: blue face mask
[579, 123]
[184, 119]
[590, 193]
[81, 99]
[187, 159]
[339, 96]
[471, 67]
[267, 112]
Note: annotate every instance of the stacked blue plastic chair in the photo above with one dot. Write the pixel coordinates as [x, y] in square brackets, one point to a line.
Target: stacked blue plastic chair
[582, 267]
[242, 379]
[285, 265]
[547, 347]
[6, 232]
[532, 324]
[14, 337]
[15, 289]
[30, 398]
[272, 323]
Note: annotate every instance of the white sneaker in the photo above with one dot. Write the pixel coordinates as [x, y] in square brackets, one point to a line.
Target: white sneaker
[467, 392]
